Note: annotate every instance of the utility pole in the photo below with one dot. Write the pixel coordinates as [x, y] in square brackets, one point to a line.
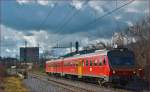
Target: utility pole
[0, 31]
[0, 43]
[38, 53]
[77, 47]
[148, 60]
[25, 53]
[71, 48]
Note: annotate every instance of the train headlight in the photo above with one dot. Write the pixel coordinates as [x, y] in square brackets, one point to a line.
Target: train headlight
[140, 69]
[114, 71]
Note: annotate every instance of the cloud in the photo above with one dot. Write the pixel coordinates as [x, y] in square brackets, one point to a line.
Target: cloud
[118, 17]
[132, 10]
[43, 2]
[77, 4]
[40, 2]
[8, 50]
[97, 6]
[137, 6]
[34, 14]
[10, 41]
[24, 1]
[30, 14]
[129, 23]
[13, 39]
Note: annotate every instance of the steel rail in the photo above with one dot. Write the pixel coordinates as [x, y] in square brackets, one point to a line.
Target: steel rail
[66, 86]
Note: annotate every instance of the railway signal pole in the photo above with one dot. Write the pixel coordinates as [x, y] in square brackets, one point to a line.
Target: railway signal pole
[0, 31]
[71, 47]
[148, 61]
[25, 53]
[77, 46]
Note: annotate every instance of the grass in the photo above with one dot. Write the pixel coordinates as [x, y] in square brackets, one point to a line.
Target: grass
[14, 84]
[40, 71]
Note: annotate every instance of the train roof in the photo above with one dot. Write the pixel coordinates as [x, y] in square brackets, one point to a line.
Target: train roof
[95, 53]
[98, 52]
[79, 52]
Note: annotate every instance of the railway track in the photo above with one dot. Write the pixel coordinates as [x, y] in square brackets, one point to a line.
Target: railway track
[70, 88]
[75, 85]
[79, 86]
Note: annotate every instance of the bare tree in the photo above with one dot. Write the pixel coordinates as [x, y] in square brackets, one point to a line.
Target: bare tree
[140, 32]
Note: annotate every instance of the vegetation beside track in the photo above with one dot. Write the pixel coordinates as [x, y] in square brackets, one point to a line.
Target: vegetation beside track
[14, 84]
[3, 74]
[38, 70]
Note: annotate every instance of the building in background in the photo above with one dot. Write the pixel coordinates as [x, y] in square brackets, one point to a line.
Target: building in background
[29, 54]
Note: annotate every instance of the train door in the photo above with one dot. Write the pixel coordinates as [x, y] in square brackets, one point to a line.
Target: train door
[80, 68]
[61, 66]
[95, 66]
[84, 67]
[55, 67]
[101, 65]
[91, 66]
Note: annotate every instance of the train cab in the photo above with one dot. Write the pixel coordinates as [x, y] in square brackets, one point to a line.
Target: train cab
[121, 64]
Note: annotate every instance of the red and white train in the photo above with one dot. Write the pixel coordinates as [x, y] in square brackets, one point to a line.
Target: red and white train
[104, 65]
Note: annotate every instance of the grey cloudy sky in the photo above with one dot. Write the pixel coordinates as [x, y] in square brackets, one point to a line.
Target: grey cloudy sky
[47, 22]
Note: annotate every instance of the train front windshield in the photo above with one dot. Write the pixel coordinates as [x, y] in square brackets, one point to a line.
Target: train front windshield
[121, 58]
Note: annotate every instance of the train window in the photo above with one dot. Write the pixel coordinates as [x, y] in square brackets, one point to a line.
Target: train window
[66, 64]
[90, 62]
[69, 64]
[76, 64]
[73, 64]
[86, 62]
[100, 62]
[49, 65]
[104, 61]
[83, 63]
[95, 63]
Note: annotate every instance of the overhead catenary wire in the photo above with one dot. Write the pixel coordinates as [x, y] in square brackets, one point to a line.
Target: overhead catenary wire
[101, 17]
[60, 29]
[106, 14]
[44, 20]
[74, 13]
[65, 23]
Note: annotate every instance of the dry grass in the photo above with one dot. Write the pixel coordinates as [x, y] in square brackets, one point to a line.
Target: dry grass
[14, 84]
[40, 71]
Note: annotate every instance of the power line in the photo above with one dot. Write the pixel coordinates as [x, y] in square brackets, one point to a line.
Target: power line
[70, 18]
[49, 13]
[108, 13]
[65, 18]
[65, 23]
[60, 29]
